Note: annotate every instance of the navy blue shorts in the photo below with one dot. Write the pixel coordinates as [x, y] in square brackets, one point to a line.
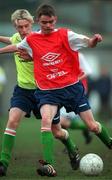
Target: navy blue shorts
[25, 100]
[73, 98]
[56, 119]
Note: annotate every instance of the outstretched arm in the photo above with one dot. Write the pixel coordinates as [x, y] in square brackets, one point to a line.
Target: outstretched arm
[4, 39]
[79, 41]
[8, 49]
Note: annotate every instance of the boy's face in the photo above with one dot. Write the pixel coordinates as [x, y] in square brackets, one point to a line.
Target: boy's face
[47, 23]
[24, 27]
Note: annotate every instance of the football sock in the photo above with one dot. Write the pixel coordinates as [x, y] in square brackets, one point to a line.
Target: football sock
[48, 143]
[104, 136]
[77, 124]
[7, 145]
[68, 143]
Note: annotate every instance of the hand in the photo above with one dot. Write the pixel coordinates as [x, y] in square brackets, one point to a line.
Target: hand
[22, 53]
[97, 38]
[94, 40]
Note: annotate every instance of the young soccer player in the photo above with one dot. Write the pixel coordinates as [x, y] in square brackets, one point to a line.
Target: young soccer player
[55, 55]
[23, 100]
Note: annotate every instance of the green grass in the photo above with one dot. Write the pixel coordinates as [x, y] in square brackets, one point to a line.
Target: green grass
[27, 152]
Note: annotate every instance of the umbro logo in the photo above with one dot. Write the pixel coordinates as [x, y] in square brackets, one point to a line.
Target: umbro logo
[50, 56]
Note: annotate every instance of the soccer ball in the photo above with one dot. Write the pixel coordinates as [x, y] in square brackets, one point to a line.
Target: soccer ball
[91, 164]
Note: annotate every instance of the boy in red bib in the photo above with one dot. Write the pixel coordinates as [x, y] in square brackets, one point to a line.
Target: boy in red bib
[56, 69]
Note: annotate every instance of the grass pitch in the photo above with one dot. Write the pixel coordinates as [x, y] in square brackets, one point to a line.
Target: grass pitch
[27, 152]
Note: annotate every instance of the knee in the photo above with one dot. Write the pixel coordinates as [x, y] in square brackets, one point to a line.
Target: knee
[46, 121]
[61, 134]
[12, 123]
[57, 134]
[95, 127]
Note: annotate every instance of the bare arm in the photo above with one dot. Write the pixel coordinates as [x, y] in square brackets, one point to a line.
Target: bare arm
[8, 49]
[22, 53]
[4, 39]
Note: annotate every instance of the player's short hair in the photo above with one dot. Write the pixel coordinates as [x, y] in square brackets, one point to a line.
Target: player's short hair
[21, 14]
[45, 9]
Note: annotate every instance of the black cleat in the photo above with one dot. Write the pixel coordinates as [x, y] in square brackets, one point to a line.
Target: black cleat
[88, 136]
[3, 169]
[46, 169]
[74, 159]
